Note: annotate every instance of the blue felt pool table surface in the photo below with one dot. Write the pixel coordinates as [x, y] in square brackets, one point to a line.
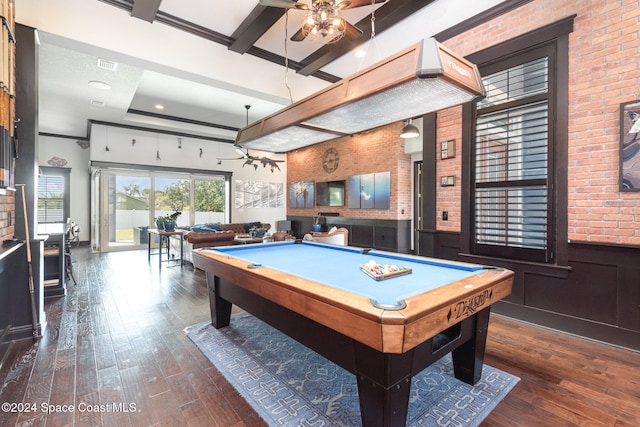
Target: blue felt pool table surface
[339, 267]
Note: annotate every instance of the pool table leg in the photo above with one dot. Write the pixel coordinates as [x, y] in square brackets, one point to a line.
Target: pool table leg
[384, 383]
[469, 357]
[219, 307]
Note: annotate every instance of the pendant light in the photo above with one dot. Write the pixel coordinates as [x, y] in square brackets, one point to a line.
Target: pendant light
[409, 130]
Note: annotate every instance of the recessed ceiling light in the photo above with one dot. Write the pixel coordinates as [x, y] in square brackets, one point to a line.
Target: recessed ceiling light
[360, 53]
[159, 107]
[99, 85]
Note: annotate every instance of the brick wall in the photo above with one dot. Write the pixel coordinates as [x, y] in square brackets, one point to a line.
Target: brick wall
[604, 71]
[449, 124]
[381, 150]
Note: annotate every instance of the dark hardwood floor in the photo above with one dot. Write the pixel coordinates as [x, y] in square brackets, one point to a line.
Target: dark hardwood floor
[117, 338]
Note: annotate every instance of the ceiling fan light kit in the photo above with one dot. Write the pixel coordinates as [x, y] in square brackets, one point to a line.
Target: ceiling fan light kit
[424, 78]
[323, 22]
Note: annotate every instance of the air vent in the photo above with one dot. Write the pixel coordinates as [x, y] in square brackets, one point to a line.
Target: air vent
[95, 103]
[107, 65]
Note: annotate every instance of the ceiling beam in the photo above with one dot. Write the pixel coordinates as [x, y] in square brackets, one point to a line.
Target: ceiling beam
[386, 16]
[145, 9]
[254, 26]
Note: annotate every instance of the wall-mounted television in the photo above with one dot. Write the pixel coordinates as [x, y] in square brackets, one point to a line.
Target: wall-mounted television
[330, 193]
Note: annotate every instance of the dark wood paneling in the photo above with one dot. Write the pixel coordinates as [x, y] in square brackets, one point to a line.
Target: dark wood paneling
[629, 297]
[15, 300]
[597, 295]
[589, 293]
[426, 243]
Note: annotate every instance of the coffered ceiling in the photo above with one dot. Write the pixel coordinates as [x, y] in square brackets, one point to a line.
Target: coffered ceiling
[205, 60]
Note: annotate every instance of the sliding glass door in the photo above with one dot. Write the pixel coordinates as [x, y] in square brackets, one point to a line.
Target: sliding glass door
[172, 194]
[127, 213]
[211, 201]
[129, 200]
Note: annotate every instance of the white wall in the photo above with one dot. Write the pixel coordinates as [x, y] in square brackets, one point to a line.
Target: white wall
[77, 160]
[143, 152]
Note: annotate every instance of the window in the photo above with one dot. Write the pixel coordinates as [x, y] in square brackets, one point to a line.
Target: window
[511, 159]
[53, 195]
[513, 206]
[516, 140]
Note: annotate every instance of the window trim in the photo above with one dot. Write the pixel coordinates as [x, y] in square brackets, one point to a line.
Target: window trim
[557, 35]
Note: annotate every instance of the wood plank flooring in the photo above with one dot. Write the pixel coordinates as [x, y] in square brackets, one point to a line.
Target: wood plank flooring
[114, 350]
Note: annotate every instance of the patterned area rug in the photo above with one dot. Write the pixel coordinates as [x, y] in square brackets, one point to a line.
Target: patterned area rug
[291, 385]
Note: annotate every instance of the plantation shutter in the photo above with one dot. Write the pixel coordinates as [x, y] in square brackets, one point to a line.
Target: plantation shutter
[51, 199]
[511, 179]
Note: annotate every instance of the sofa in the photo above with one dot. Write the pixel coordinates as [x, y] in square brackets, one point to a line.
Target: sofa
[335, 236]
[212, 235]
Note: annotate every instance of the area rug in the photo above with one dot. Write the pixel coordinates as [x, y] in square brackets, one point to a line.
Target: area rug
[291, 385]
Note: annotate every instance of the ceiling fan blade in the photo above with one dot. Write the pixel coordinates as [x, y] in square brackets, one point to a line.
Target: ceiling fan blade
[240, 151]
[359, 3]
[287, 4]
[351, 31]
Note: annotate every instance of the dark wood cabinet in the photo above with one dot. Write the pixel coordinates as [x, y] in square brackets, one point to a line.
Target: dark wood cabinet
[55, 275]
[385, 238]
[388, 235]
[360, 235]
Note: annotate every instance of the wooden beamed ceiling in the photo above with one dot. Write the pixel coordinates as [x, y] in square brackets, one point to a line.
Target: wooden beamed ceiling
[262, 18]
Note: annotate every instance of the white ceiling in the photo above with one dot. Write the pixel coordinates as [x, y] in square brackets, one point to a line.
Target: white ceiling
[194, 78]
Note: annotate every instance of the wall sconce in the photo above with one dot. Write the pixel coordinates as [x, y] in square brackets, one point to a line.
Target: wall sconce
[409, 130]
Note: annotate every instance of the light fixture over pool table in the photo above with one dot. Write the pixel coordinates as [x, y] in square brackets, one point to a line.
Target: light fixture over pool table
[424, 78]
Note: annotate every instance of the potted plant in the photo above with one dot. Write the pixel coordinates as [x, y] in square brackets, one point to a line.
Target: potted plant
[316, 222]
[167, 222]
[159, 220]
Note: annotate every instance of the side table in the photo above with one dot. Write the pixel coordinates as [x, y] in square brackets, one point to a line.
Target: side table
[163, 237]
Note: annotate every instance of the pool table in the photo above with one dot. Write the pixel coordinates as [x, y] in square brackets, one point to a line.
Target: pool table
[383, 331]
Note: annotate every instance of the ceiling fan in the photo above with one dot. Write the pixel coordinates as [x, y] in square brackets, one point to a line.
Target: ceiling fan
[323, 21]
[253, 160]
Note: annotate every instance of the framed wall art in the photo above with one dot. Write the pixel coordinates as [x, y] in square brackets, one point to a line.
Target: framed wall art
[630, 146]
[369, 191]
[301, 194]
